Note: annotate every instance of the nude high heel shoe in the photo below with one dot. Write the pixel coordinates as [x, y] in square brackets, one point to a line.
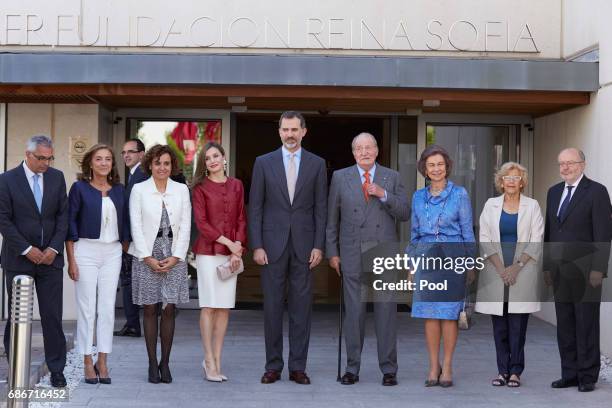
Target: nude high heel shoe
[211, 378]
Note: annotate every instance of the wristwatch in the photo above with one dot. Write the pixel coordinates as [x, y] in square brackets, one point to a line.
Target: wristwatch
[521, 264]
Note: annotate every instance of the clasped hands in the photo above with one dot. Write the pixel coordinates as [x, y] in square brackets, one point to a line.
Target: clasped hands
[236, 249]
[509, 274]
[161, 266]
[39, 257]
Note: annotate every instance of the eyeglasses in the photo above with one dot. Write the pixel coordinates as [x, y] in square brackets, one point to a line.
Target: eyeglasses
[569, 163]
[511, 178]
[124, 152]
[43, 158]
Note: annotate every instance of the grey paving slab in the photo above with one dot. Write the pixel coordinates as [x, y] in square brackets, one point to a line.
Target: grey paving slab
[244, 358]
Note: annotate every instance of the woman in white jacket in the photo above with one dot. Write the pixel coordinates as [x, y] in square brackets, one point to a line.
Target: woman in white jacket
[511, 232]
[160, 217]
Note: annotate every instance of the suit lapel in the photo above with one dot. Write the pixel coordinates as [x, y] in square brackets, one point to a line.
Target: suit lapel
[353, 181]
[278, 168]
[380, 178]
[498, 206]
[555, 201]
[304, 161]
[47, 188]
[580, 192]
[22, 182]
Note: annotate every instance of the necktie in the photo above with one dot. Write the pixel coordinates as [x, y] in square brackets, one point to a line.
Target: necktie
[291, 177]
[565, 203]
[37, 192]
[365, 185]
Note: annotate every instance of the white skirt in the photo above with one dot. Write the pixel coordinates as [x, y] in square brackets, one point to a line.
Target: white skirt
[212, 291]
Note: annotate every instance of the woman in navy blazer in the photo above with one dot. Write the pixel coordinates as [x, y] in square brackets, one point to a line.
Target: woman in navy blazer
[93, 247]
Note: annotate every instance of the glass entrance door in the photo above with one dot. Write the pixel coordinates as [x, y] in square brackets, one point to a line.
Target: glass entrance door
[477, 152]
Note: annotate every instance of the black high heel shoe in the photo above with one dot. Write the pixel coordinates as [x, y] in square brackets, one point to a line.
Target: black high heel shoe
[166, 377]
[433, 383]
[103, 380]
[93, 380]
[154, 374]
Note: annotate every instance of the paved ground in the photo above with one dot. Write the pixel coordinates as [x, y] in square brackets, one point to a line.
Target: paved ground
[244, 358]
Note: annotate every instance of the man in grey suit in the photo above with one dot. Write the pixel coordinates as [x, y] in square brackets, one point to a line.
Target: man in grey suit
[365, 202]
[287, 212]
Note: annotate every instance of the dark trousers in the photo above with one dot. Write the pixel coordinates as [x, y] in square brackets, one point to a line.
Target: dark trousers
[509, 332]
[578, 340]
[275, 276]
[577, 306]
[131, 311]
[49, 288]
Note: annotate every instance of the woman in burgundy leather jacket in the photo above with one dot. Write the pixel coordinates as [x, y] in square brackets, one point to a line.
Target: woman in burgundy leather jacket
[218, 206]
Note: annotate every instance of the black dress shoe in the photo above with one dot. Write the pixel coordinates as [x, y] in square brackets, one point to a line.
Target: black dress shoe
[127, 332]
[564, 383]
[349, 379]
[389, 380]
[586, 387]
[58, 380]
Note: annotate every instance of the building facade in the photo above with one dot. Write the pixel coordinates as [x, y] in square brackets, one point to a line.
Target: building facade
[492, 81]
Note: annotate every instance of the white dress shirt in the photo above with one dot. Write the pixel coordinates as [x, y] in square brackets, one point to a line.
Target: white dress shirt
[371, 172]
[30, 177]
[565, 192]
[109, 227]
[296, 159]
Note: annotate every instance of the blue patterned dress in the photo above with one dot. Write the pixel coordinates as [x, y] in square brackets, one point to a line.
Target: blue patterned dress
[436, 221]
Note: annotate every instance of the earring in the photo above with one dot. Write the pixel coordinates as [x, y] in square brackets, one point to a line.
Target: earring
[206, 172]
[90, 174]
[225, 166]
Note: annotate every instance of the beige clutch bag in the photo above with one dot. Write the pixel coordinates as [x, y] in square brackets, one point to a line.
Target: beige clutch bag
[224, 271]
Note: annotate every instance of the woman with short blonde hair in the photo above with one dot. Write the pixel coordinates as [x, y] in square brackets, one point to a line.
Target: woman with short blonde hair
[511, 232]
[507, 168]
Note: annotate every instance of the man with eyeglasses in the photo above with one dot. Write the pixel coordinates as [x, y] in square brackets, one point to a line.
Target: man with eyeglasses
[132, 154]
[34, 225]
[578, 214]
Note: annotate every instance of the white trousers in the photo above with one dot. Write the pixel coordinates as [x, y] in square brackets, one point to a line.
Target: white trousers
[99, 266]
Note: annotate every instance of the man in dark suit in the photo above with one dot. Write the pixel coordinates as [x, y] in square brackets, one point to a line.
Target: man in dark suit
[132, 153]
[365, 202]
[287, 212]
[34, 225]
[578, 214]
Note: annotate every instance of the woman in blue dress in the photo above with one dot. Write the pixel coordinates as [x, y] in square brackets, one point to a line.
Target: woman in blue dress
[441, 225]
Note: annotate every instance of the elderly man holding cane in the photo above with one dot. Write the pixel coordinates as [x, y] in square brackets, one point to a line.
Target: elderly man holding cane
[365, 202]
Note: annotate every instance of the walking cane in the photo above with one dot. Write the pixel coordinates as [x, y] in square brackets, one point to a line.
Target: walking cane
[340, 326]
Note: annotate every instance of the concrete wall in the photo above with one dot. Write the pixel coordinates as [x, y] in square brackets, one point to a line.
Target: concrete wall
[62, 123]
[587, 128]
[466, 28]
